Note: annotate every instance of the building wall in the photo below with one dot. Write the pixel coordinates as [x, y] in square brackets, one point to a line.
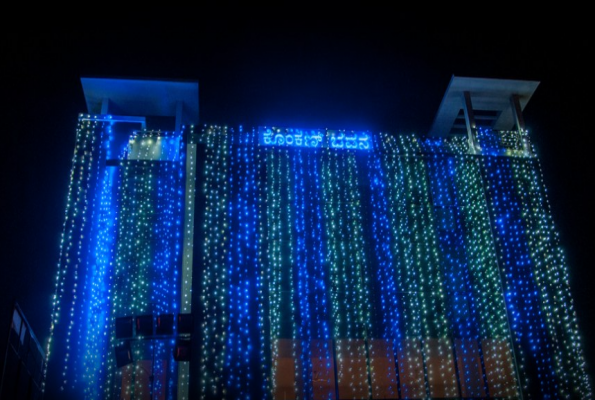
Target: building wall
[326, 265]
[21, 375]
[350, 265]
[120, 258]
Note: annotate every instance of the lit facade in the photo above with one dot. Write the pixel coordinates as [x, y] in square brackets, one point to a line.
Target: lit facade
[126, 250]
[317, 264]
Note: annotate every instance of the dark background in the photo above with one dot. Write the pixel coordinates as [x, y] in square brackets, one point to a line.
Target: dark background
[386, 73]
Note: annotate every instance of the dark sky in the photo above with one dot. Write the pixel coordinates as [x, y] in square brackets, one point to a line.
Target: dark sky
[377, 74]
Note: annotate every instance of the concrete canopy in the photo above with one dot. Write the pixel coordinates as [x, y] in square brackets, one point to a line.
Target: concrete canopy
[132, 97]
[487, 95]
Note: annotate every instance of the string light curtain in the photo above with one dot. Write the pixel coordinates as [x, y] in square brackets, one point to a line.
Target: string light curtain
[120, 256]
[331, 265]
[74, 295]
[390, 266]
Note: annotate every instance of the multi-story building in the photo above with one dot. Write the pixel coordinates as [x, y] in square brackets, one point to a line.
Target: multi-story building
[23, 362]
[301, 263]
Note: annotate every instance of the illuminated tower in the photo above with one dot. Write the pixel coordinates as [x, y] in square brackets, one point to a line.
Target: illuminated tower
[124, 274]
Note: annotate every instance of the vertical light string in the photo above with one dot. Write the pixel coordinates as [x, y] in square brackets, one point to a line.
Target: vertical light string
[75, 356]
[98, 279]
[273, 260]
[236, 363]
[301, 216]
[168, 261]
[494, 338]
[347, 259]
[464, 318]
[82, 291]
[190, 167]
[492, 347]
[322, 376]
[551, 278]
[189, 206]
[289, 270]
[243, 362]
[426, 363]
[313, 352]
[437, 345]
[73, 244]
[280, 257]
[412, 383]
[388, 314]
[132, 263]
[148, 255]
[459, 303]
[264, 288]
[358, 261]
[521, 291]
[260, 359]
[214, 283]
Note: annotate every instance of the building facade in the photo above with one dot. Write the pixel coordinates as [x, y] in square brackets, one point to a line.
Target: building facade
[23, 363]
[311, 263]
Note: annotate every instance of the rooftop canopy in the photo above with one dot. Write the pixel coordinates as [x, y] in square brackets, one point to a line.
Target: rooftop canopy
[490, 100]
[136, 97]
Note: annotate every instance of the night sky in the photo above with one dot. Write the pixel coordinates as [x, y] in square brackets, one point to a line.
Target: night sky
[354, 74]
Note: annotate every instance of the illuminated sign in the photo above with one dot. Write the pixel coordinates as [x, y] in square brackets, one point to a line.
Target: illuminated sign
[349, 140]
[333, 139]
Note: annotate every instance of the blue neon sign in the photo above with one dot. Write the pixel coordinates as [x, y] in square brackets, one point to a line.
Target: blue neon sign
[334, 139]
[349, 140]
